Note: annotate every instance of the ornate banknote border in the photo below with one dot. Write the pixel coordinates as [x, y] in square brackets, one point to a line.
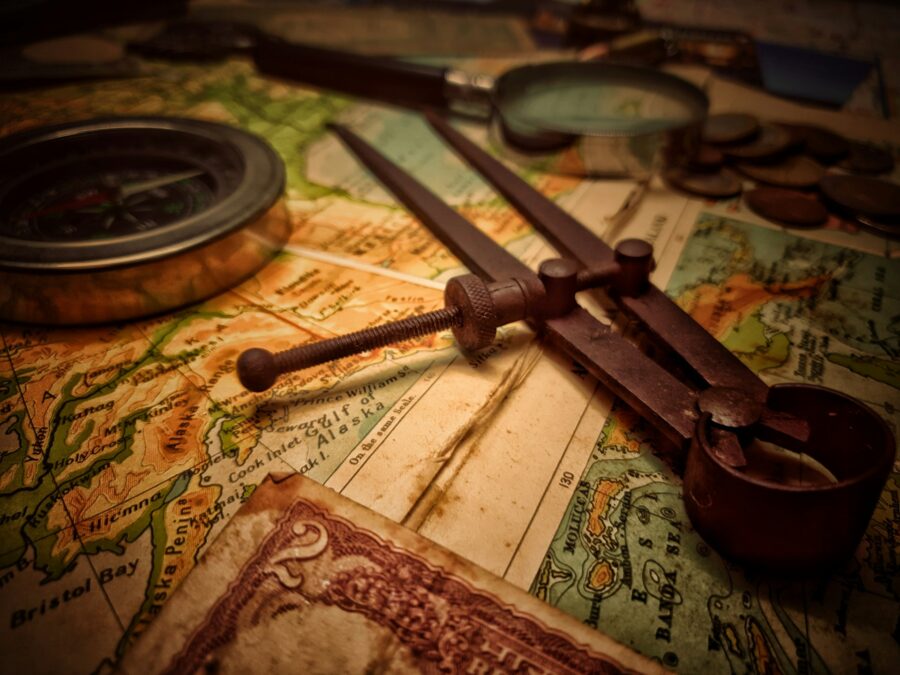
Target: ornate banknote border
[445, 624]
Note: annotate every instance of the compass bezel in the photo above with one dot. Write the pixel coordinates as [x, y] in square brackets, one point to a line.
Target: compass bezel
[261, 183]
[90, 281]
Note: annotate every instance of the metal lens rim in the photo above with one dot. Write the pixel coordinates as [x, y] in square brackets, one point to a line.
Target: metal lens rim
[530, 137]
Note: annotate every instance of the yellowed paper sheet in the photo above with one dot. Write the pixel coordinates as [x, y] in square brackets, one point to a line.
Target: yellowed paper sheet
[303, 580]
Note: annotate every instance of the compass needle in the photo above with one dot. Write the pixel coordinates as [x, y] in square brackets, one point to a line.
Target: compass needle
[135, 188]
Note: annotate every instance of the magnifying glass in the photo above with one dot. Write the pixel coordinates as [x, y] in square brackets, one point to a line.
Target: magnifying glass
[581, 117]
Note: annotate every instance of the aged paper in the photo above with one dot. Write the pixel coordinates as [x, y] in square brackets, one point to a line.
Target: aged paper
[103, 428]
[509, 457]
[583, 507]
[303, 580]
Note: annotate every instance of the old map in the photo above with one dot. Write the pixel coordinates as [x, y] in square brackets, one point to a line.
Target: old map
[794, 310]
[103, 431]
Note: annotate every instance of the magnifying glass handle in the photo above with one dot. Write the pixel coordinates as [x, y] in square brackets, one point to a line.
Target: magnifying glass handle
[381, 78]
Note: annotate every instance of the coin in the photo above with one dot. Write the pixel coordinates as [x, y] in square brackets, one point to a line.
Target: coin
[824, 145]
[796, 171]
[78, 49]
[715, 185]
[786, 206]
[771, 141]
[872, 199]
[885, 229]
[865, 158]
[706, 159]
[729, 128]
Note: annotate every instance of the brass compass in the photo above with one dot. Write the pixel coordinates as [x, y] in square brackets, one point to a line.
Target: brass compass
[117, 218]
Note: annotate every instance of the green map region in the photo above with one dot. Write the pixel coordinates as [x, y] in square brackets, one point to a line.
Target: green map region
[625, 558]
[124, 449]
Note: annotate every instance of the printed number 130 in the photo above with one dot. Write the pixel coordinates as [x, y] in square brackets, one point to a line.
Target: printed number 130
[566, 479]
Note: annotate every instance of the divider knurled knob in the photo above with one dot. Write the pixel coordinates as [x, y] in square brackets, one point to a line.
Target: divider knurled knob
[479, 321]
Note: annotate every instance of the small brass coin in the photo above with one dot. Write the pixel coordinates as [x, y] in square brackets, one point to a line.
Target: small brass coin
[885, 229]
[868, 159]
[770, 142]
[796, 171]
[826, 146]
[862, 196]
[77, 49]
[715, 185]
[707, 159]
[786, 206]
[729, 128]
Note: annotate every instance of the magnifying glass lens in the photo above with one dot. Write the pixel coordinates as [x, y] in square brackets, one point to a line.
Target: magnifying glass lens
[586, 118]
[592, 99]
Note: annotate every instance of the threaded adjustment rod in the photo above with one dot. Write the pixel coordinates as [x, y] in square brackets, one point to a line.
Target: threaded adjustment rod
[472, 308]
[259, 368]
[470, 311]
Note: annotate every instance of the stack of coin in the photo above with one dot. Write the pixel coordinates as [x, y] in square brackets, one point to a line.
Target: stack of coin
[802, 173]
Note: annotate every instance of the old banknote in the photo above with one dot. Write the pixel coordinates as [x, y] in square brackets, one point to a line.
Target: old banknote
[304, 580]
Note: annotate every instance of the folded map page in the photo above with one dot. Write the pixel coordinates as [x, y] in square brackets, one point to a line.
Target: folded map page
[578, 501]
[103, 429]
[303, 580]
[509, 460]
